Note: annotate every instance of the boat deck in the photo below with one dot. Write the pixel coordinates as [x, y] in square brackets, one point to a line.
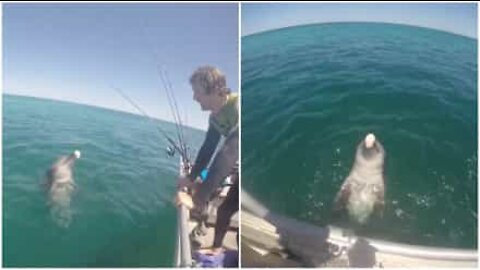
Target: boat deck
[296, 244]
[205, 238]
[229, 242]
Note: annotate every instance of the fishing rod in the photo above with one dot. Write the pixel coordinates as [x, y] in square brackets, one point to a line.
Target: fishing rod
[172, 102]
[167, 87]
[174, 108]
[180, 149]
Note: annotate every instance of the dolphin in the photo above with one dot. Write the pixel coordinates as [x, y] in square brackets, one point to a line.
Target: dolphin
[60, 187]
[363, 191]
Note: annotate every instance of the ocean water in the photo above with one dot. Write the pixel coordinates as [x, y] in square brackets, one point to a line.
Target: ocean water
[310, 94]
[122, 210]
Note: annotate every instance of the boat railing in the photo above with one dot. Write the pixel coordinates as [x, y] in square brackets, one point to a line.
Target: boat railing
[183, 251]
[302, 238]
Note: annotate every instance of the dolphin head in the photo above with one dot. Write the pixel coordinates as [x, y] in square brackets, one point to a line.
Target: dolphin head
[371, 148]
[70, 160]
[61, 170]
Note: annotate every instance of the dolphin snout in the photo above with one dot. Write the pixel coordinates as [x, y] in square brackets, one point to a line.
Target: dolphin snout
[369, 140]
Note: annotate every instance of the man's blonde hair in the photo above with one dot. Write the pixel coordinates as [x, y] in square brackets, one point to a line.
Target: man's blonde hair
[211, 79]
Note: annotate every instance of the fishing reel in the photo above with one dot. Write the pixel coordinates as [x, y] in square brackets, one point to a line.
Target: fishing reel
[337, 250]
[170, 151]
[358, 252]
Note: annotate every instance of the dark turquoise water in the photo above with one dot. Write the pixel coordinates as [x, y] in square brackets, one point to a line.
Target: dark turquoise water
[311, 93]
[122, 209]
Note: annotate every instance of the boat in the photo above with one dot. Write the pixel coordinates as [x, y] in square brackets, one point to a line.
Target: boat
[272, 240]
[193, 235]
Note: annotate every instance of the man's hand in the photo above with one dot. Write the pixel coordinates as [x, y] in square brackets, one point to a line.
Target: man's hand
[184, 181]
[184, 199]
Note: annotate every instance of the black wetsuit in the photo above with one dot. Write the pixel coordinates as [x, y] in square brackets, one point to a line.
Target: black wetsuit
[225, 212]
[222, 166]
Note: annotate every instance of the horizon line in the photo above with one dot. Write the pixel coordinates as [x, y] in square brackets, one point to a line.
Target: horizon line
[103, 108]
[366, 22]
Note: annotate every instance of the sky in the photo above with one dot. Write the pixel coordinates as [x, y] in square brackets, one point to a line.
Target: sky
[459, 18]
[80, 52]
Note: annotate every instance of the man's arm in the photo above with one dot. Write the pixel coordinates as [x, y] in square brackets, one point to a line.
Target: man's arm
[205, 153]
[221, 167]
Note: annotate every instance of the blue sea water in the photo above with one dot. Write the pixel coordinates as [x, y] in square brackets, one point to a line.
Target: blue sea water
[311, 93]
[122, 210]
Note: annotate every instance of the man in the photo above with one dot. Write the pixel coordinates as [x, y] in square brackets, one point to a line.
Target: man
[210, 91]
